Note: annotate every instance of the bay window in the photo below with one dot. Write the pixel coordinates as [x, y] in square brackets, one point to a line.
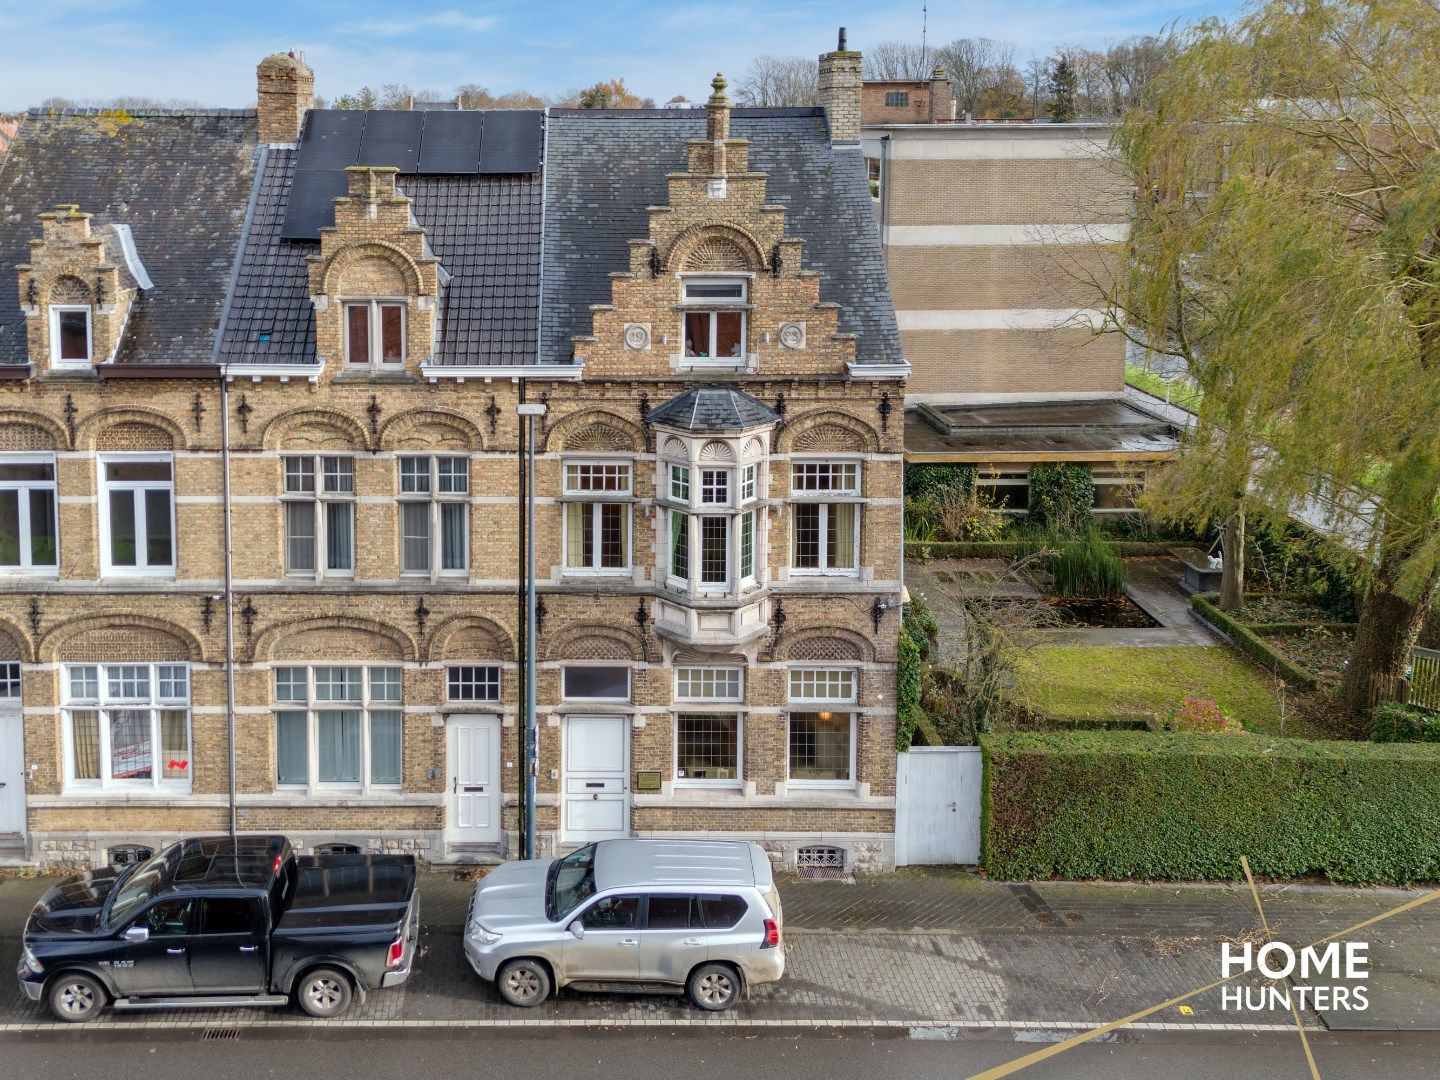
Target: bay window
[714, 318]
[434, 515]
[597, 524]
[319, 499]
[824, 531]
[28, 524]
[711, 538]
[137, 506]
[374, 333]
[126, 726]
[821, 732]
[338, 726]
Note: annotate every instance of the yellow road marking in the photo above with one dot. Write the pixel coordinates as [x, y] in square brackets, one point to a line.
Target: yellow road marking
[1270, 936]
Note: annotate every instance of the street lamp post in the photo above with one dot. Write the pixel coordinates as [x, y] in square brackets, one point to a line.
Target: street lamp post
[528, 412]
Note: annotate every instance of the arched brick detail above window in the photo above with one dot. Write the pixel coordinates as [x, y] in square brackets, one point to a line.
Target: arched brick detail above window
[716, 253]
[131, 428]
[314, 429]
[593, 641]
[828, 645]
[469, 637]
[596, 431]
[31, 431]
[119, 638]
[828, 432]
[430, 429]
[710, 241]
[68, 289]
[334, 640]
[134, 436]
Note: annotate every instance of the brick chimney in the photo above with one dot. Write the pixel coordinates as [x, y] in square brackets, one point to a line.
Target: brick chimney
[840, 85]
[942, 102]
[286, 88]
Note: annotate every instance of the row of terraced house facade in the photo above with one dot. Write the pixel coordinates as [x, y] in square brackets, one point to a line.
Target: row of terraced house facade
[314, 328]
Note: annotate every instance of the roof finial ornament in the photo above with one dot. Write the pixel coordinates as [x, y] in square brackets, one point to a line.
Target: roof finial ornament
[718, 84]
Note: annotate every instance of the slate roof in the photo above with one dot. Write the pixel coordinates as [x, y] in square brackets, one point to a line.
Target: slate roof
[713, 408]
[180, 180]
[484, 229]
[604, 167]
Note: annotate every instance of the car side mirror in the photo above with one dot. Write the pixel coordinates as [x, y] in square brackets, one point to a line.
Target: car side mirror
[137, 934]
[577, 928]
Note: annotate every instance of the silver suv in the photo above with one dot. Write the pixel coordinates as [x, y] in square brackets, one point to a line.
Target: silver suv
[700, 917]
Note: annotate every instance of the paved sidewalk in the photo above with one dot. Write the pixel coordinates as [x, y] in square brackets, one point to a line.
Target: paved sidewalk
[915, 948]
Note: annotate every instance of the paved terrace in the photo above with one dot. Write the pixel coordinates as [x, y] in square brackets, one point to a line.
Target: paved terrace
[913, 949]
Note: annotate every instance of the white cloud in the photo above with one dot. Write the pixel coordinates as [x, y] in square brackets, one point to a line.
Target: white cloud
[417, 24]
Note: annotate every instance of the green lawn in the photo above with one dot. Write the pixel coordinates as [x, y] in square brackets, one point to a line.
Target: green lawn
[1085, 681]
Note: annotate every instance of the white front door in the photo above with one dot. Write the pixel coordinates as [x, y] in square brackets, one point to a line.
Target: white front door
[597, 770]
[12, 774]
[474, 752]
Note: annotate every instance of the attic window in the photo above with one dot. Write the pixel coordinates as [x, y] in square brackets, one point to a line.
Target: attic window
[717, 333]
[70, 336]
[374, 333]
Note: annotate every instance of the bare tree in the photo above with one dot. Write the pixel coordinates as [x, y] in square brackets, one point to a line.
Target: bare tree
[975, 67]
[776, 81]
[894, 61]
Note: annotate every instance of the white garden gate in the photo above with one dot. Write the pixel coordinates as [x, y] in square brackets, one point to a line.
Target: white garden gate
[937, 805]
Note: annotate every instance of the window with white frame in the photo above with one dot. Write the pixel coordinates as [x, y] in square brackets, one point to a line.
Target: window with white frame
[709, 684]
[374, 333]
[822, 738]
[715, 487]
[680, 483]
[597, 524]
[434, 514]
[10, 681]
[714, 318]
[707, 748]
[824, 534]
[127, 726]
[71, 338]
[28, 522]
[712, 551]
[137, 513]
[470, 682]
[319, 499]
[595, 682]
[338, 726]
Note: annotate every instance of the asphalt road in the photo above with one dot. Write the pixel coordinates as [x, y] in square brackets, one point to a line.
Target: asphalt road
[599, 1055]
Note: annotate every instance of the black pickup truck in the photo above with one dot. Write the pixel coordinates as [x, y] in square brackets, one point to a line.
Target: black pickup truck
[217, 921]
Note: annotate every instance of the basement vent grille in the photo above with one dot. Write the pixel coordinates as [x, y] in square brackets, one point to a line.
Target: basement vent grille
[216, 1034]
[337, 849]
[820, 862]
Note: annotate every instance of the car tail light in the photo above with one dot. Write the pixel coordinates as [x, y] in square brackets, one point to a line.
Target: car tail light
[772, 934]
[397, 953]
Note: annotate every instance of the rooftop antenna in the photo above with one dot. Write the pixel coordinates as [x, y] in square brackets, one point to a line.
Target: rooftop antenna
[924, 38]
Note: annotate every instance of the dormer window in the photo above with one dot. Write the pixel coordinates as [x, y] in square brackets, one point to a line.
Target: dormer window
[71, 339]
[374, 333]
[714, 326]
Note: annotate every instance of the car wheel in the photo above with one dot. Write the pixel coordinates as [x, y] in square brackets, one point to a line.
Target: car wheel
[324, 992]
[76, 998]
[713, 987]
[523, 982]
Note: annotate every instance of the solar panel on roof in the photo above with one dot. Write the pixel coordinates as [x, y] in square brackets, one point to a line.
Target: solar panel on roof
[312, 202]
[512, 142]
[391, 138]
[451, 142]
[332, 138]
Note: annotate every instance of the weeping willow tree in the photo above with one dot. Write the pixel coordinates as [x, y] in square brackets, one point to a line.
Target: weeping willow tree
[1286, 247]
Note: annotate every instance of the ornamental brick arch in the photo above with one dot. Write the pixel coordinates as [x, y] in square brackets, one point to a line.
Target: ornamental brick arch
[593, 641]
[21, 429]
[109, 636]
[15, 643]
[430, 429]
[824, 431]
[469, 637]
[129, 428]
[709, 241]
[371, 268]
[596, 430]
[334, 639]
[826, 644]
[313, 428]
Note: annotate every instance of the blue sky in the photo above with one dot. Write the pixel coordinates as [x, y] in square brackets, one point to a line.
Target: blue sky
[207, 51]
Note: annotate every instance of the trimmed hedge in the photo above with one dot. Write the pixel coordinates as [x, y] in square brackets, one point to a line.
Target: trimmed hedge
[1252, 644]
[1395, 722]
[1186, 807]
[1011, 549]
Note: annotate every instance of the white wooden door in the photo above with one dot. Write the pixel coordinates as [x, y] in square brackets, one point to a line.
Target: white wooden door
[474, 754]
[937, 805]
[596, 785]
[12, 774]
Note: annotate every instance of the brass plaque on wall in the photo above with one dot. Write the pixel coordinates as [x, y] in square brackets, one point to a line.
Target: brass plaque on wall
[647, 780]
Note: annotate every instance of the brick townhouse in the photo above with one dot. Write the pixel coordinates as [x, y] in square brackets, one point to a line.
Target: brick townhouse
[314, 328]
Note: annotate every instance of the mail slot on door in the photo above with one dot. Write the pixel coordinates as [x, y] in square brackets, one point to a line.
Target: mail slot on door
[580, 785]
[474, 789]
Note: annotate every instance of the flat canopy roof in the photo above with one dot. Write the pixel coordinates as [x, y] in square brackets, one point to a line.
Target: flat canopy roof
[1103, 430]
